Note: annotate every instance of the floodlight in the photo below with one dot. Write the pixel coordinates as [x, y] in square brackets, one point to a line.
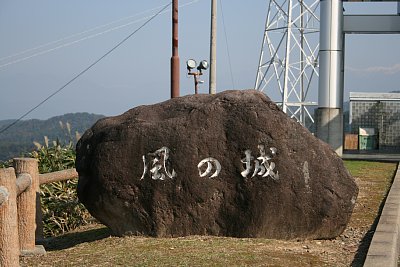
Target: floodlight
[191, 64]
[203, 65]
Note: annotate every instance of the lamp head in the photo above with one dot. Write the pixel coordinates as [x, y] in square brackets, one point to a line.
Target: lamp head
[191, 64]
[203, 65]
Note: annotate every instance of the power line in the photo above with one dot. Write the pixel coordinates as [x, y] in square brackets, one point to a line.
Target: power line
[68, 44]
[227, 45]
[75, 41]
[78, 34]
[84, 71]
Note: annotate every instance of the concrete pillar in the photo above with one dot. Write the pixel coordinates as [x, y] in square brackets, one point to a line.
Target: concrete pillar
[9, 242]
[329, 122]
[330, 93]
[27, 204]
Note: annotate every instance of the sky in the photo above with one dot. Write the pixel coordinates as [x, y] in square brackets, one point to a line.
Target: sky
[46, 43]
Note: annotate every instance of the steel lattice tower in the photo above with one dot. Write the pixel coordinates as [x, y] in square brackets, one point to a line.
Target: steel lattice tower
[289, 56]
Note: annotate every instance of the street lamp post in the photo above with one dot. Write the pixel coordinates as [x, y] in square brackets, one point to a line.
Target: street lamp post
[191, 64]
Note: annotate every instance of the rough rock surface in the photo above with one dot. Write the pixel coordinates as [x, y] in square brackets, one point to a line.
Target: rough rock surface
[230, 164]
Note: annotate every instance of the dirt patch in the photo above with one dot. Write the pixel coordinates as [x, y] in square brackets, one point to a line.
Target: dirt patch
[93, 246]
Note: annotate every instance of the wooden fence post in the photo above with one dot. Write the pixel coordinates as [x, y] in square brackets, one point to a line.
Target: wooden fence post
[27, 203]
[9, 241]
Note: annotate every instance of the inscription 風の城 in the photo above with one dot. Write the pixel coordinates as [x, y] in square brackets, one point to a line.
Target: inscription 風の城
[158, 166]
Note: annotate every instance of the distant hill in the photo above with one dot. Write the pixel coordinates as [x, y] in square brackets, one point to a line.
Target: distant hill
[19, 138]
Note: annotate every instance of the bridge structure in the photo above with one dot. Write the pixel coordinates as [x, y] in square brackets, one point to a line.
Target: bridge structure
[303, 50]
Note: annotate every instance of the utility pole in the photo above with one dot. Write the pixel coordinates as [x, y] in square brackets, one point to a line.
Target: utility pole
[213, 48]
[175, 56]
[398, 8]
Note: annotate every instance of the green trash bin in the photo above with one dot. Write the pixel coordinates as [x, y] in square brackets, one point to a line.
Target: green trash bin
[367, 142]
[367, 139]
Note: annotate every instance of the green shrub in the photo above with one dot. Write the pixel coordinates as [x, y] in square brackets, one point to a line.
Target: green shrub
[61, 210]
[6, 164]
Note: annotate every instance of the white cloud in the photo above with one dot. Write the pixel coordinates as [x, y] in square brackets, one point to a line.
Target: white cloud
[377, 69]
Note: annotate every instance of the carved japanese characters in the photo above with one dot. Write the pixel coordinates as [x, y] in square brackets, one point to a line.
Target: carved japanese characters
[159, 165]
[260, 166]
[210, 163]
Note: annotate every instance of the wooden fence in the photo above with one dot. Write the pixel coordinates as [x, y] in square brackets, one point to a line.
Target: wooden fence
[20, 212]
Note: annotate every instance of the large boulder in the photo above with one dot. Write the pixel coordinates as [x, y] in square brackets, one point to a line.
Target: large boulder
[230, 164]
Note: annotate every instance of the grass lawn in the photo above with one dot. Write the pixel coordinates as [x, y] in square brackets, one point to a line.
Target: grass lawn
[93, 246]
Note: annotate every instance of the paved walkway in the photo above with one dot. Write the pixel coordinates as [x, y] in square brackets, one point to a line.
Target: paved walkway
[372, 155]
[385, 245]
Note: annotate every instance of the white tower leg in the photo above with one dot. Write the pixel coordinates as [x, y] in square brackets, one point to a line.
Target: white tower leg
[289, 56]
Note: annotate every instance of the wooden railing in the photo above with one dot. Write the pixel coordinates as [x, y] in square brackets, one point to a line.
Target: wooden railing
[20, 212]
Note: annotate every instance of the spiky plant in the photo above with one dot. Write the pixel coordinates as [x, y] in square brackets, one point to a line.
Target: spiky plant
[61, 209]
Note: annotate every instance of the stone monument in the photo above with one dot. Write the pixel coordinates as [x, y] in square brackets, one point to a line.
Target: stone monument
[230, 164]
